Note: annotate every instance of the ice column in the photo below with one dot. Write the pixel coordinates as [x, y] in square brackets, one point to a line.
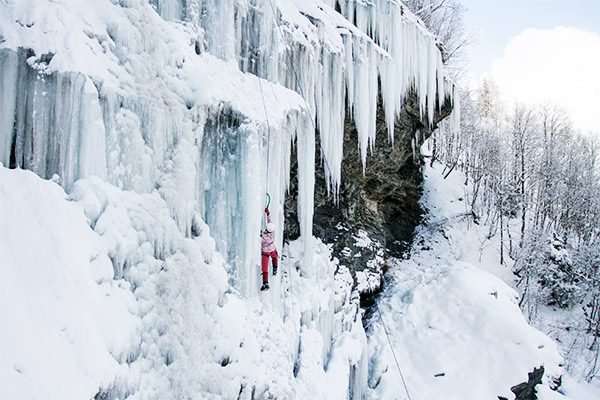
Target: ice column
[92, 135]
[56, 127]
[223, 155]
[331, 107]
[169, 9]
[306, 193]
[233, 181]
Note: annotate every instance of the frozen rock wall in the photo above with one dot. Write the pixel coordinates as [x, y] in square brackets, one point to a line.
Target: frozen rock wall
[128, 95]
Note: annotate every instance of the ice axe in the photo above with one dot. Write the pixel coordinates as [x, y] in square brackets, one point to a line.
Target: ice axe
[267, 206]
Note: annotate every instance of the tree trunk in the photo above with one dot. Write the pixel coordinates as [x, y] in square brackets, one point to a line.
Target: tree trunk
[501, 238]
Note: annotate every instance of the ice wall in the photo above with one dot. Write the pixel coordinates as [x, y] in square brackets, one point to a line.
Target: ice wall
[330, 58]
[127, 88]
[327, 57]
[51, 123]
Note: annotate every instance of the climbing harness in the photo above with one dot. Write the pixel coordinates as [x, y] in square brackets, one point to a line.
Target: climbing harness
[344, 212]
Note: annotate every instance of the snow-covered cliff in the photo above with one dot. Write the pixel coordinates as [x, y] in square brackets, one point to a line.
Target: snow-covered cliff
[110, 89]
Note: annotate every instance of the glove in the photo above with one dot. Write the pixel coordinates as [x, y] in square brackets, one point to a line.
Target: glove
[267, 211]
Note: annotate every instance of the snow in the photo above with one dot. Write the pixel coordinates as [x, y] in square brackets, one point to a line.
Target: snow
[453, 317]
[167, 323]
[465, 324]
[66, 323]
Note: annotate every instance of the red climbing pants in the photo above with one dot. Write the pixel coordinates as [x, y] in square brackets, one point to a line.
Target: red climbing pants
[265, 264]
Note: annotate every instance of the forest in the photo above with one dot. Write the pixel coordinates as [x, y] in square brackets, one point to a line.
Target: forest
[534, 179]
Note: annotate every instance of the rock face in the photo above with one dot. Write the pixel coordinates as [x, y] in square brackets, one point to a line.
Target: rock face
[526, 390]
[382, 201]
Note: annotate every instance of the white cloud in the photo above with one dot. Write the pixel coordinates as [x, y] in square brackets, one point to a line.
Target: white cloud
[561, 65]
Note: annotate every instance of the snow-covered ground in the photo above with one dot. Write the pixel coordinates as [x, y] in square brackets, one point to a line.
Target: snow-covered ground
[63, 325]
[452, 314]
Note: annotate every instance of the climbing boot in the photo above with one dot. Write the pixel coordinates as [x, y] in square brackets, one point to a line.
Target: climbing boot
[274, 271]
[265, 286]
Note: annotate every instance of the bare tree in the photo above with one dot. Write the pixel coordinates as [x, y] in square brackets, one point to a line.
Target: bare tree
[523, 145]
[444, 18]
[555, 131]
[534, 167]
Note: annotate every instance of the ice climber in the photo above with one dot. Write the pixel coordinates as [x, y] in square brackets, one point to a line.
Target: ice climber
[268, 250]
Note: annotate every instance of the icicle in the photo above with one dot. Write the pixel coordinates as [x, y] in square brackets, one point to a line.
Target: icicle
[92, 141]
[372, 96]
[306, 185]
[431, 81]
[8, 102]
[455, 116]
[331, 124]
[388, 88]
[441, 85]
[362, 100]
[169, 9]
[349, 71]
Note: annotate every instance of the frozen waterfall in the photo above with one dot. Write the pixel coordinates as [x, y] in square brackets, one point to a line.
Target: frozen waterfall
[145, 98]
[182, 105]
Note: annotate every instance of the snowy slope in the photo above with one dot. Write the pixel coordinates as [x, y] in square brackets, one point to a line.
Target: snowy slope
[62, 333]
[453, 317]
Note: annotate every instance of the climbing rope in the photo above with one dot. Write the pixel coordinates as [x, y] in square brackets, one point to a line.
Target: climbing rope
[388, 337]
[268, 130]
[385, 330]
[291, 287]
[268, 139]
[344, 212]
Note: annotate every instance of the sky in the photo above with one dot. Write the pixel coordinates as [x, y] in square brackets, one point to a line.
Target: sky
[538, 51]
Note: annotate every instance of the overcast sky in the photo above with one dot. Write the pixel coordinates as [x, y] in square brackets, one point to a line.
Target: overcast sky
[539, 50]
